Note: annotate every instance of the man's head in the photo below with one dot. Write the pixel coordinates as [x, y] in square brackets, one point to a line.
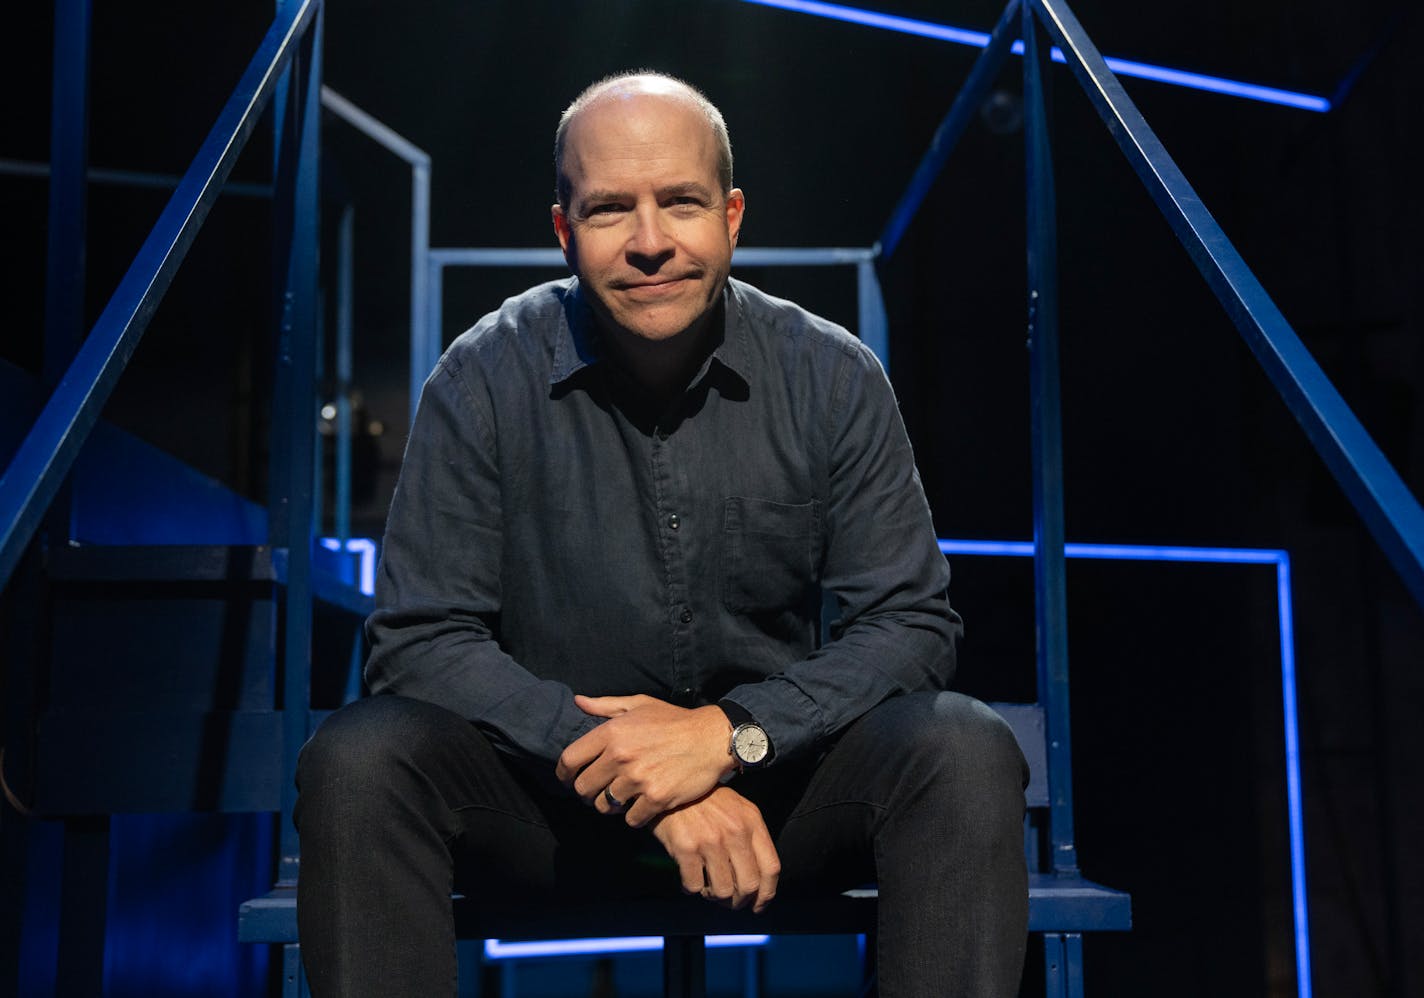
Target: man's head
[647, 216]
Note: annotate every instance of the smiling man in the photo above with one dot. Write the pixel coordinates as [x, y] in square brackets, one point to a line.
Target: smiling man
[598, 638]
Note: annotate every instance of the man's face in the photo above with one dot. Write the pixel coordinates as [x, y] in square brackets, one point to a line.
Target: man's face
[648, 229]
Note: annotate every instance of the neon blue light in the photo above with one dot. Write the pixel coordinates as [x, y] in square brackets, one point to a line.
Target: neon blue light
[1286, 625]
[1122, 67]
[366, 548]
[497, 949]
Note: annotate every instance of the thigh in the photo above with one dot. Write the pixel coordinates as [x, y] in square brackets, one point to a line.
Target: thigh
[916, 763]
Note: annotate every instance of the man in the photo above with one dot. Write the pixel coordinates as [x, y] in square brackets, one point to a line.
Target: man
[622, 497]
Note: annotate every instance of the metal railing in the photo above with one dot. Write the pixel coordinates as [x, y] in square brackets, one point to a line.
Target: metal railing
[44, 458]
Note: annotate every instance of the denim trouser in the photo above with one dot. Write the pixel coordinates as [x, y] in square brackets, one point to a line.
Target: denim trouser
[402, 802]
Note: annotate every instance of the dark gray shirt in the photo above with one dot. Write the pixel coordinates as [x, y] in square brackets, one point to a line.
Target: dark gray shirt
[555, 531]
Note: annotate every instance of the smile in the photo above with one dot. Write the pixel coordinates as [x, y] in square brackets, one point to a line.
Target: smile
[655, 289]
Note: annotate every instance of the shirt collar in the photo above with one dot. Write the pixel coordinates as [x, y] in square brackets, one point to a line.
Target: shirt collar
[576, 344]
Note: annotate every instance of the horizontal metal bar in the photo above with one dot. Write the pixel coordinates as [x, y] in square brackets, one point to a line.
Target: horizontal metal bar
[1384, 502]
[372, 127]
[1123, 67]
[128, 178]
[40, 464]
[750, 256]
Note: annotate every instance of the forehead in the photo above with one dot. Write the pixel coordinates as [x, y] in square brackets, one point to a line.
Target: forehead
[622, 137]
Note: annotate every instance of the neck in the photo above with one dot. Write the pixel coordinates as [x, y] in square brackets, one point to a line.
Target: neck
[662, 367]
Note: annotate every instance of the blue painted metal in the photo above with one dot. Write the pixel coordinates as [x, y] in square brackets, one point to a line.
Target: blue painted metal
[422, 354]
[946, 137]
[68, 189]
[1050, 577]
[39, 466]
[1384, 502]
[1123, 67]
[297, 126]
[128, 178]
[345, 262]
[873, 325]
[1280, 560]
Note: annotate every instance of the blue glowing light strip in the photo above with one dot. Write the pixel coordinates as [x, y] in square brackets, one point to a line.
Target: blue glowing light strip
[497, 949]
[1123, 67]
[366, 548]
[1286, 626]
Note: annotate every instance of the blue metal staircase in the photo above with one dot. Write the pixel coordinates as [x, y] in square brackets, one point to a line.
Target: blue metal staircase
[183, 618]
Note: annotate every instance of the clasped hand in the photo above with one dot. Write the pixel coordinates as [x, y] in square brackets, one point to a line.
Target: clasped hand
[650, 755]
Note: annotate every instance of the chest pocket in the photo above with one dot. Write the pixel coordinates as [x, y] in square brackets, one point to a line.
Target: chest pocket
[769, 553]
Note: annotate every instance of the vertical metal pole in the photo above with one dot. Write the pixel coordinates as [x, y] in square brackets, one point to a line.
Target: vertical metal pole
[423, 360]
[1050, 591]
[684, 967]
[424, 332]
[84, 909]
[68, 212]
[874, 326]
[297, 117]
[346, 250]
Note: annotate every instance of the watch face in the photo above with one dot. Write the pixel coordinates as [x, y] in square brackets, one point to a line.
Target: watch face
[751, 744]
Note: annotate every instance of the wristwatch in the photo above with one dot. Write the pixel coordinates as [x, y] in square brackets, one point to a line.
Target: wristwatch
[750, 746]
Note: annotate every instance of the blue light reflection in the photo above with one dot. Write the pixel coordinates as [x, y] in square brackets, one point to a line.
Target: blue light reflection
[1122, 67]
[1286, 627]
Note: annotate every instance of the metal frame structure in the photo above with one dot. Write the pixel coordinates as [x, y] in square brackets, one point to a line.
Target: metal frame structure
[287, 67]
[1044, 31]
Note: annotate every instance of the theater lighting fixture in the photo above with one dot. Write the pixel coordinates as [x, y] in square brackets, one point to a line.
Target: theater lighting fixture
[1286, 628]
[1122, 67]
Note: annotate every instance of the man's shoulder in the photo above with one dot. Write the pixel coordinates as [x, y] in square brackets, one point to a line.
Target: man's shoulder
[781, 319]
[532, 318]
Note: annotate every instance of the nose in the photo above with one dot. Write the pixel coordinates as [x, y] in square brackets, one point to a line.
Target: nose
[649, 240]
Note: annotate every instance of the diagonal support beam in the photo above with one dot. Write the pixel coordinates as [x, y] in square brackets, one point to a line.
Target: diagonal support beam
[1384, 502]
[947, 135]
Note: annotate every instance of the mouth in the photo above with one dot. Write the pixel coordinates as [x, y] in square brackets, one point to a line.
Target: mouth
[654, 288]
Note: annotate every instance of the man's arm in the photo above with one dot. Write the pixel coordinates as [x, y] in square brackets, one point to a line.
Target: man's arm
[897, 632]
[438, 589]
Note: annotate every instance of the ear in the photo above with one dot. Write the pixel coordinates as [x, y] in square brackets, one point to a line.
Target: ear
[736, 205]
[562, 229]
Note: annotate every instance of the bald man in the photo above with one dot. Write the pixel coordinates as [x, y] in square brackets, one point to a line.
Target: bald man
[597, 662]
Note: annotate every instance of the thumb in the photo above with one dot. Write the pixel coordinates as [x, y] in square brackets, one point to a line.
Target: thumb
[603, 706]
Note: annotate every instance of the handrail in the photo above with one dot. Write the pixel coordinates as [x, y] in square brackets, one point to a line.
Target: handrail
[1383, 501]
[49, 450]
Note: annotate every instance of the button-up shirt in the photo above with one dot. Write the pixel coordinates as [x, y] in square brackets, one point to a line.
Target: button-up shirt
[556, 530]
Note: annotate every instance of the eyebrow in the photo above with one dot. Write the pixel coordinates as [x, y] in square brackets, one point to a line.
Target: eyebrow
[690, 187]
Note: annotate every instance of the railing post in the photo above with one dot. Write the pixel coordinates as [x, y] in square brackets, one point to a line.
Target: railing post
[68, 213]
[345, 265]
[1050, 590]
[297, 123]
[874, 328]
[424, 337]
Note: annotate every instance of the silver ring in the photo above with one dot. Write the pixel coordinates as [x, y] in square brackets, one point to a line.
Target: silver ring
[613, 802]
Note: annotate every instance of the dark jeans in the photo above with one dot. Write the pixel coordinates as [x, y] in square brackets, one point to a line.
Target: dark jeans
[402, 802]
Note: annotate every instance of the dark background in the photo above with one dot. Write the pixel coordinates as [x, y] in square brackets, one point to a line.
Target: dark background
[1172, 434]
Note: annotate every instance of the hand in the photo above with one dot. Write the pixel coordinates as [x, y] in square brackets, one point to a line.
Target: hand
[650, 755]
[722, 848]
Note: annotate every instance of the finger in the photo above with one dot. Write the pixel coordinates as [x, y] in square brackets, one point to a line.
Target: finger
[746, 873]
[595, 776]
[604, 706]
[611, 801]
[768, 868]
[579, 754]
[721, 883]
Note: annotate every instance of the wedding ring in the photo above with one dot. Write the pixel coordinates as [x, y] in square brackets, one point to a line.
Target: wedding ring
[613, 802]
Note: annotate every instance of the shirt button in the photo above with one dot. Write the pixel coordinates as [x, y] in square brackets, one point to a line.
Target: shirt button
[685, 616]
[662, 434]
[674, 522]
